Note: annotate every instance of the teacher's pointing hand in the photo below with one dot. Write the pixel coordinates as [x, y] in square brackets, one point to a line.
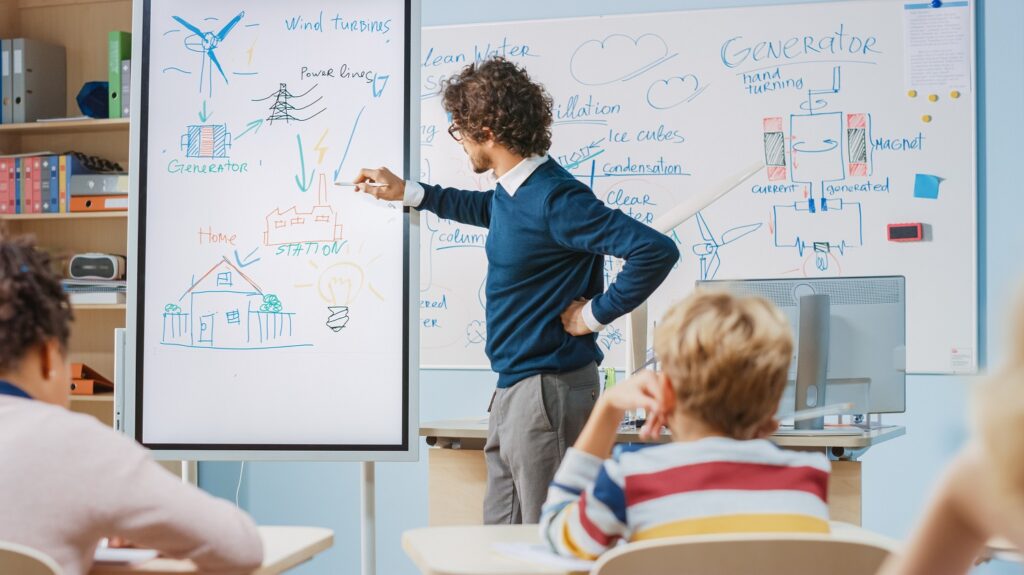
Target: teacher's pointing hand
[388, 186]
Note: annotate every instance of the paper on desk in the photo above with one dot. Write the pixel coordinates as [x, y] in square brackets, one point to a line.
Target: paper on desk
[123, 555]
[541, 555]
[936, 45]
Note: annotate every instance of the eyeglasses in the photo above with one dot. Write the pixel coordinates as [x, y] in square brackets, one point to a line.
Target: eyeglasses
[454, 132]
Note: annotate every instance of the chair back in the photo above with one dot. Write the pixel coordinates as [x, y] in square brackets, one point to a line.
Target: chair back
[747, 554]
[16, 558]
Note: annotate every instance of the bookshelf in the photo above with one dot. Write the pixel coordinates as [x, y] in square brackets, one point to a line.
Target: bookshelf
[66, 216]
[81, 26]
[66, 127]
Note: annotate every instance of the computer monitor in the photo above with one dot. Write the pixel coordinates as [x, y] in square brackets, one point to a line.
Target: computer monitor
[866, 336]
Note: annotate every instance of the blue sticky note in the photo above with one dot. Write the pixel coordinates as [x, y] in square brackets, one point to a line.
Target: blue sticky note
[926, 186]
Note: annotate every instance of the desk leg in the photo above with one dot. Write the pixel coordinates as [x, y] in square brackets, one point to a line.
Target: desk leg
[457, 482]
[844, 492]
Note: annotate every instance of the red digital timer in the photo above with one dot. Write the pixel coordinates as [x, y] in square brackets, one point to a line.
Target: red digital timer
[911, 232]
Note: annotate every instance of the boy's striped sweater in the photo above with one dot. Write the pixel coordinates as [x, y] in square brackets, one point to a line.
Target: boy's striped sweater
[714, 485]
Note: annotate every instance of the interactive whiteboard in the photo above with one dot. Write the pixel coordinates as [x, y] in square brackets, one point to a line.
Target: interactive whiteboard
[272, 311]
[650, 108]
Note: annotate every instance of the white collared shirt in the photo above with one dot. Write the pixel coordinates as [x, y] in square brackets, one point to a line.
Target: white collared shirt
[510, 181]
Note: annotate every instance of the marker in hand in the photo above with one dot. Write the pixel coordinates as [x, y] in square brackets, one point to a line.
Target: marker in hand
[367, 184]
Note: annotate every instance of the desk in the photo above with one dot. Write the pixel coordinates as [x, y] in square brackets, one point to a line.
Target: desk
[283, 548]
[467, 550]
[1001, 549]
[458, 475]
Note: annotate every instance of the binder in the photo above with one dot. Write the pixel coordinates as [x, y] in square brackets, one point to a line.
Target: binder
[18, 204]
[119, 48]
[126, 87]
[87, 381]
[37, 185]
[51, 185]
[6, 89]
[5, 186]
[38, 80]
[98, 184]
[44, 184]
[26, 185]
[99, 203]
[62, 182]
[70, 168]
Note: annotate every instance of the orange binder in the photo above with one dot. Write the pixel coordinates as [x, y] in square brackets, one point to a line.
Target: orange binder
[99, 203]
[87, 381]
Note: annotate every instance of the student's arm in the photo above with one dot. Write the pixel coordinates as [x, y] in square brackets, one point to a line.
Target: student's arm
[141, 502]
[579, 221]
[464, 206]
[585, 512]
[953, 531]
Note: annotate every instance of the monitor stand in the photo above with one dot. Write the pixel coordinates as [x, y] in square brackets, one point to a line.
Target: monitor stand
[812, 357]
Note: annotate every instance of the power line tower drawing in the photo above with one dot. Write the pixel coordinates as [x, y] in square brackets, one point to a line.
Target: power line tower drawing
[284, 105]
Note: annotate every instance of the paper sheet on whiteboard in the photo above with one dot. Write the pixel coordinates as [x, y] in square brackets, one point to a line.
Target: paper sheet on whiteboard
[937, 46]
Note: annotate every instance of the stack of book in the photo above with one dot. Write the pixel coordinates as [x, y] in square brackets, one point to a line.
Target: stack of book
[95, 291]
[46, 183]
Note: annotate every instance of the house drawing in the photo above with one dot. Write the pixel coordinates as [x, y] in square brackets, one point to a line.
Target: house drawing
[291, 226]
[227, 310]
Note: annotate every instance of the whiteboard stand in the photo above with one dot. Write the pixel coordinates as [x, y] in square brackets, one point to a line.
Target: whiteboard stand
[368, 519]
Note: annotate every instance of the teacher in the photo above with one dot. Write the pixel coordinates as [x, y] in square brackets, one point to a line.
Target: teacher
[548, 235]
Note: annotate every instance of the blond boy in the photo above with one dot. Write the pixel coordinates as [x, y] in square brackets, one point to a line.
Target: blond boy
[725, 361]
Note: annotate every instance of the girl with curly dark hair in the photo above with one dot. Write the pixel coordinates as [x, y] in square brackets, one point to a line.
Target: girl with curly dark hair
[547, 238]
[68, 480]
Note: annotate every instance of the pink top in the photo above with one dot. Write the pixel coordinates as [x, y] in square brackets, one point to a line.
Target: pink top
[66, 481]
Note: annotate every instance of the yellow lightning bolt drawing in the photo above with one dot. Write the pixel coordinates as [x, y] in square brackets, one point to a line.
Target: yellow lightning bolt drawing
[250, 51]
[320, 148]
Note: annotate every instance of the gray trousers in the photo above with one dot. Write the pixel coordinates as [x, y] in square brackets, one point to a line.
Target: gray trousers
[531, 425]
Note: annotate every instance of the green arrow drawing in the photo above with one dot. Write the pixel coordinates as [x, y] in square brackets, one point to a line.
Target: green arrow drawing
[250, 127]
[304, 184]
[203, 115]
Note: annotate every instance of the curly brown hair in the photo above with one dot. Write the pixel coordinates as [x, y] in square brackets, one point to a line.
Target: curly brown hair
[499, 96]
[33, 306]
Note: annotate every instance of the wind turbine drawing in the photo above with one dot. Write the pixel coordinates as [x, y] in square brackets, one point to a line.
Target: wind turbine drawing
[206, 43]
[707, 251]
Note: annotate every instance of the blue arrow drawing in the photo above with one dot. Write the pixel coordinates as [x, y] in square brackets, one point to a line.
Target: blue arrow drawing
[349, 144]
[304, 184]
[248, 262]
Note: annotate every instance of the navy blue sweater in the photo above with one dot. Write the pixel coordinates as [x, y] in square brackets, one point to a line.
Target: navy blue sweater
[545, 248]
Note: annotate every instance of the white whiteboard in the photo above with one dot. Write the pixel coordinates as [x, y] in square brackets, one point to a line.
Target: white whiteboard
[661, 82]
[273, 312]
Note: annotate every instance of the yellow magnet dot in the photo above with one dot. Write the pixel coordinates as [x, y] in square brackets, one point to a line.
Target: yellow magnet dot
[954, 94]
[912, 93]
[926, 118]
[933, 98]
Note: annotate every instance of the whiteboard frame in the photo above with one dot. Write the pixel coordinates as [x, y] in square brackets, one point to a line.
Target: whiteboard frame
[133, 360]
[973, 221]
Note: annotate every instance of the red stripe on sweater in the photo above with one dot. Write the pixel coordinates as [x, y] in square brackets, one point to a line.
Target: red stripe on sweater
[717, 475]
[593, 530]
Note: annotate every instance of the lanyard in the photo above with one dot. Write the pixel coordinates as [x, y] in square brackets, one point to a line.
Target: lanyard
[11, 389]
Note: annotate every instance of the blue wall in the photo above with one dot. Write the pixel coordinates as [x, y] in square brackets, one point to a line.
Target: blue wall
[897, 475]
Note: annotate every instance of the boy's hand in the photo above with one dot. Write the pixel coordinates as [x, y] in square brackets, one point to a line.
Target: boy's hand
[393, 189]
[643, 390]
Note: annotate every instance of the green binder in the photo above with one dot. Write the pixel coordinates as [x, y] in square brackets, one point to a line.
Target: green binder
[119, 47]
